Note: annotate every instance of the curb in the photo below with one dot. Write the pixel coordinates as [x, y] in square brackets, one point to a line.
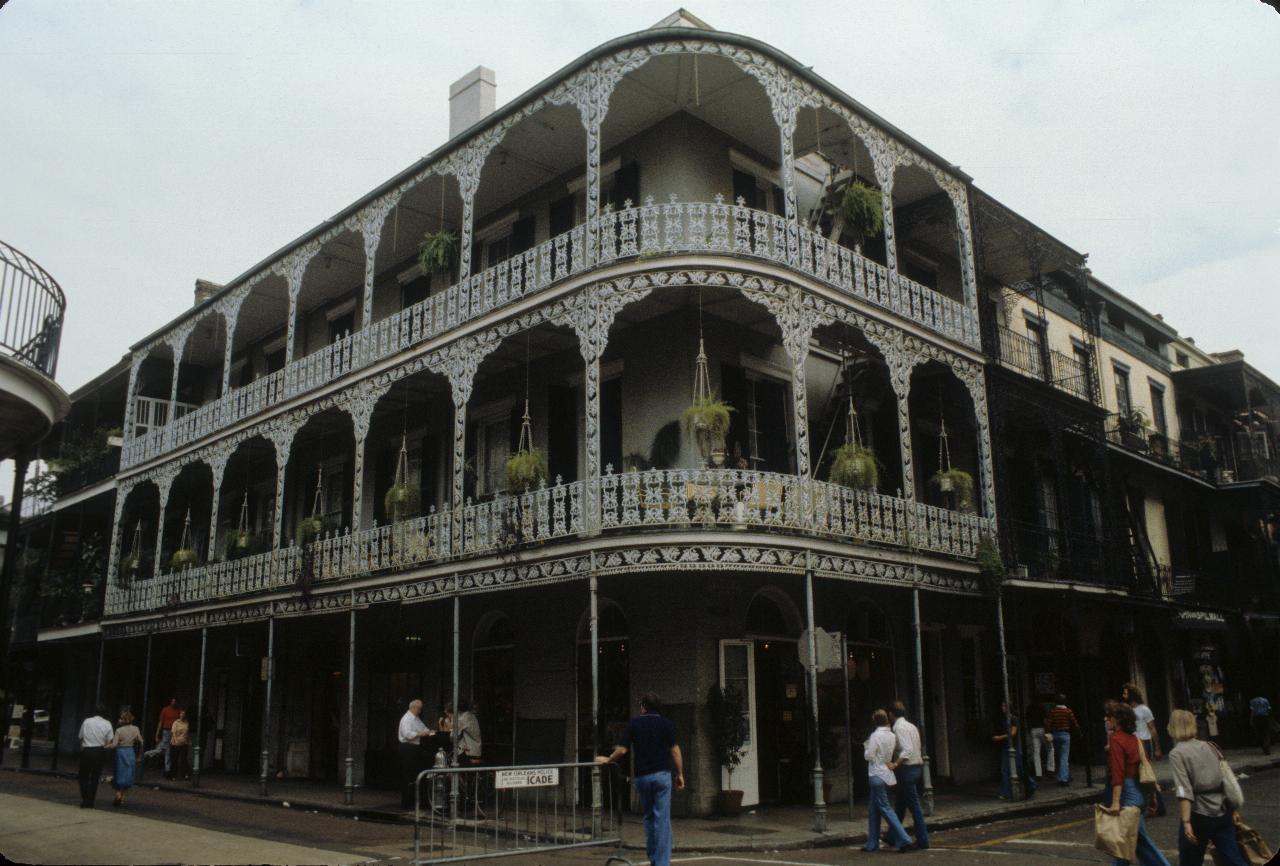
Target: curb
[1029, 808]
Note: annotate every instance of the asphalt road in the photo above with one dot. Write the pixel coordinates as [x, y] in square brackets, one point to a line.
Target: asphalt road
[1052, 839]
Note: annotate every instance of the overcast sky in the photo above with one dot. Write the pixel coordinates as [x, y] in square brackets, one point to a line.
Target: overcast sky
[146, 144]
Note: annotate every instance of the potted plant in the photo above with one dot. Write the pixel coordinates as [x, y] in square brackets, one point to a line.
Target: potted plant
[958, 483]
[1133, 428]
[727, 708]
[990, 563]
[309, 528]
[863, 209]
[708, 421]
[437, 251]
[526, 468]
[183, 557]
[402, 500]
[855, 466]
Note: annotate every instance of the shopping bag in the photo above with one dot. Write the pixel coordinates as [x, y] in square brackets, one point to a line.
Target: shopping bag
[1256, 851]
[1230, 784]
[1146, 773]
[1117, 835]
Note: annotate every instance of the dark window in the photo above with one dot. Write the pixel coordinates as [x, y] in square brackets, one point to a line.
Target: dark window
[744, 187]
[498, 251]
[342, 326]
[275, 360]
[625, 187]
[611, 424]
[415, 291]
[562, 212]
[1158, 417]
[522, 235]
[1124, 399]
[562, 433]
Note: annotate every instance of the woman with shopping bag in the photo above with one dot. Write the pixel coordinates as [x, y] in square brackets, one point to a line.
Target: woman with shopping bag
[1206, 807]
[1123, 758]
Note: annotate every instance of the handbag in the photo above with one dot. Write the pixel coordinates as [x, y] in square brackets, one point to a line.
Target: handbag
[1230, 784]
[1146, 773]
[1256, 852]
[1117, 835]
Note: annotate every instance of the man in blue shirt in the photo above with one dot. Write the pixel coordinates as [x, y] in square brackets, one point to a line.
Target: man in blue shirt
[652, 738]
[1260, 713]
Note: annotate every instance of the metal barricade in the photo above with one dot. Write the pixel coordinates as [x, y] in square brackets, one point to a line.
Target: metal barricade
[476, 813]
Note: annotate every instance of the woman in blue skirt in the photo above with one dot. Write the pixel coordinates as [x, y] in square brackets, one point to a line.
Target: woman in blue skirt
[128, 749]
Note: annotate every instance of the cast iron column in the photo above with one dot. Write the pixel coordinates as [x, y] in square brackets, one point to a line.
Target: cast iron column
[195, 751]
[819, 801]
[264, 769]
[20, 462]
[349, 788]
[1015, 781]
[926, 801]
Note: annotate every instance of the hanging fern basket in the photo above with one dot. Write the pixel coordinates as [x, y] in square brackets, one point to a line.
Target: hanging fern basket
[402, 501]
[863, 209]
[855, 466]
[310, 528]
[526, 469]
[437, 251]
[958, 483]
[183, 557]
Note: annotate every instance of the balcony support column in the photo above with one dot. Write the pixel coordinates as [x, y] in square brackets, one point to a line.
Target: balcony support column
[281, 435]
[177, 341]
[349, 763]
[785, 105]
[165, 483]
[371, 222]
[292, 269]
[229, 308]
[958, 192]
[218, 467]
[360, 403]
[974, 378]
[264, 764]
[117, 539]
[199, 725]
[815, 731]
[885, 164]
[131, 400]
[901, 362]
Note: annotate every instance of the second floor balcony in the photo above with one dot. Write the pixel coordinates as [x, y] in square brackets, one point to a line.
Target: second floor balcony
[1066, 373]
[643, 506]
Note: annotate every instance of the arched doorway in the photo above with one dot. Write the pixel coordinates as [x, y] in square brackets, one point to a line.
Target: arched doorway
[613, 637]
[765, 667]
[493, 686]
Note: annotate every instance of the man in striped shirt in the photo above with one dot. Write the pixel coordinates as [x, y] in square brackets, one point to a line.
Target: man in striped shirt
[1061, 722]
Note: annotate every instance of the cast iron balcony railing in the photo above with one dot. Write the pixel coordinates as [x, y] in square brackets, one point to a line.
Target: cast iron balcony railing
[1057, 368]
[31, 310]
[1201, 457]
[632, 233]
[657, 499]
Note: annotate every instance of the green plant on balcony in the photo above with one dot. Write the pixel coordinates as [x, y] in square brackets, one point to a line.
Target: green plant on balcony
[527, 468]
[437, 251]
[957, 483]
[863, 210]
[183, 557]
[404, 498]
[990, 563]
[707, 417]
[1132, 423]
[240, 543]
[729, 730]
[855, 466]
[311, 528]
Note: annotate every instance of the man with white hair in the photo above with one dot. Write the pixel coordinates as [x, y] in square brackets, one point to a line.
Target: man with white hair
[412, 731]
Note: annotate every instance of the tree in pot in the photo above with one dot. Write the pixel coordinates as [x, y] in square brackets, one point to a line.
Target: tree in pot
[727, 708]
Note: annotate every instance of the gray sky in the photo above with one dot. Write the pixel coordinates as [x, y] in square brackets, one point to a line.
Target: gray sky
[145, 144]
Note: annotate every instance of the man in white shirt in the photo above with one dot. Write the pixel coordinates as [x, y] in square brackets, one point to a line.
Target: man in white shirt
[410, 734]
[910, 760]
[878, 752]
[1147, 735]
[96, 736]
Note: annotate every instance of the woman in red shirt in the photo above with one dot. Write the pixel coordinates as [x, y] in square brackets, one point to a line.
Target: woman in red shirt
[1122, 757]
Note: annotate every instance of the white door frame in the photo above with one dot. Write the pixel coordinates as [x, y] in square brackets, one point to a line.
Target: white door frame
[747, 776]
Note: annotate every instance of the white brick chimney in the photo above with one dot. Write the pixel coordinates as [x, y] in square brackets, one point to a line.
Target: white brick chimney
[471, 98]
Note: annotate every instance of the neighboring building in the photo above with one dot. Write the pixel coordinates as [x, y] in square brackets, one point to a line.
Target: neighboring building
[665, 208]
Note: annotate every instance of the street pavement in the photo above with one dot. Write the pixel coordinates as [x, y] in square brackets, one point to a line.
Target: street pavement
[41, 824]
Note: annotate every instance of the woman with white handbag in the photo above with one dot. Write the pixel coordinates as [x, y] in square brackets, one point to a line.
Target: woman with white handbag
[1208, 796]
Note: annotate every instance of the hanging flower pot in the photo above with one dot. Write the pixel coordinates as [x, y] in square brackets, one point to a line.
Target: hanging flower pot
[438, 251]
[309, 528]
[863, 209]
[402, 501]
[183, 557]
[855, 466]
[707, 420]
[526, 468]
[959, 484]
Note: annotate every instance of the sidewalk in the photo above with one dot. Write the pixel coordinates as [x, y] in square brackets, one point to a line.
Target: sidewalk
[765, 829]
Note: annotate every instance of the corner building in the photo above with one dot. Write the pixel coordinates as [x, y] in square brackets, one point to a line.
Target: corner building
[667, 204]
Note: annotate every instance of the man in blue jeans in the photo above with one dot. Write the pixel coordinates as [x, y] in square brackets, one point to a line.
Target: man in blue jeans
[652, 738]
[909, 756]
[1061, 723]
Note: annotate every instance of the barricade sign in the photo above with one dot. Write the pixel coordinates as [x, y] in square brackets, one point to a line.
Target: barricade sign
[540, 777]
[466, 814]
